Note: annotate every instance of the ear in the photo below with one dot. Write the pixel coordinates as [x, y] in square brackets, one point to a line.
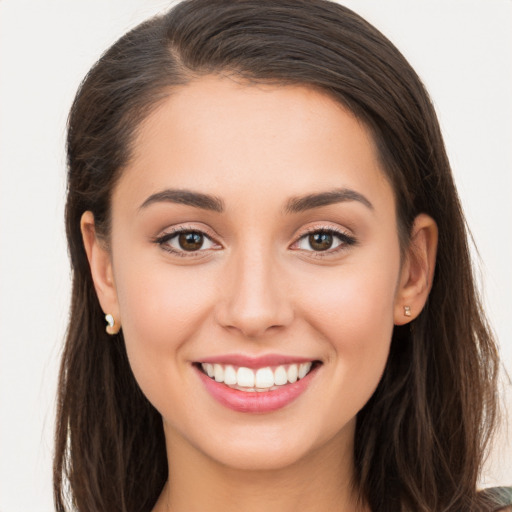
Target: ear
[102, 273]
[417, 271]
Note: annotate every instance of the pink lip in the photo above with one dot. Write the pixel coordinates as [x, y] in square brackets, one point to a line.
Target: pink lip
[255, 362]
[256, 402]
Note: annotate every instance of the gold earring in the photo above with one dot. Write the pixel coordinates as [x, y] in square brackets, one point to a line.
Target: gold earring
[407, 310]
[111, 327]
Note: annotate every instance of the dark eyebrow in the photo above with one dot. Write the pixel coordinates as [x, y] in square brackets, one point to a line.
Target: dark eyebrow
[300, 204]
[186, 197]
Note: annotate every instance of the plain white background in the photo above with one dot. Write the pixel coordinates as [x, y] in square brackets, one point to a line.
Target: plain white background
[462, 49]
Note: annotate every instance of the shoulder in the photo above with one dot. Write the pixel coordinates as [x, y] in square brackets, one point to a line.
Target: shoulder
[499, 497]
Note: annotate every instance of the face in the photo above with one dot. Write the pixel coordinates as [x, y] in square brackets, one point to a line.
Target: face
[254, 237]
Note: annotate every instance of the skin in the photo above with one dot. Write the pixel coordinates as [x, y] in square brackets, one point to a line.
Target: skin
[258, 287]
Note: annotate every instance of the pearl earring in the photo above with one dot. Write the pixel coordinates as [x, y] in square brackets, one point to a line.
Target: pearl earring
[407, 310]
[111, 327]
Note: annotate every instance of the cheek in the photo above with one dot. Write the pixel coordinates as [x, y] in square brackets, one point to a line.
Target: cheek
[353, 312]
[354, 308]
[161, 302]
[160, 312]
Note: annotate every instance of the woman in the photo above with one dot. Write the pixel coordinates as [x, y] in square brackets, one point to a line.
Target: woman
[261, 208]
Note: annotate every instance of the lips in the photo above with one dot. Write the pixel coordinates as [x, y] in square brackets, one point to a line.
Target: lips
[256, 385]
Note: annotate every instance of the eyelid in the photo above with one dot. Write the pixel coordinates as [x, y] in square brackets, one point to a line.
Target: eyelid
[173, 231]
[346, 239]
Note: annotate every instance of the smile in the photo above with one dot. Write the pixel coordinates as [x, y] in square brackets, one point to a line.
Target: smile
[256, 385]
[256, 380]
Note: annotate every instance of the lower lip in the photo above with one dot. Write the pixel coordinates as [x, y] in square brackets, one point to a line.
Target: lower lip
[257, 401]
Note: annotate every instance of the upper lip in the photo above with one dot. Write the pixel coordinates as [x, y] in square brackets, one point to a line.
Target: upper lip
[255, 362]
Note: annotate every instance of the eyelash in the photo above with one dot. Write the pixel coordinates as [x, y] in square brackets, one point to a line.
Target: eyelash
[345, 241]
[163, 240]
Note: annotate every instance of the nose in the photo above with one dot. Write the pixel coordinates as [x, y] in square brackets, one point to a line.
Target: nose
[254, 296]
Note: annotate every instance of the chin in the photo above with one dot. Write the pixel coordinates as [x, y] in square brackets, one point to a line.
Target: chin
[272, 448]
[260, 457]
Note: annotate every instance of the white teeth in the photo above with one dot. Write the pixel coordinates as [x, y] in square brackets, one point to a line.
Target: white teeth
[293, 373]
[208, 368]
[304, 369]
[218, 372]
[245, 377]
[263, 379]
[280, 376]
[229, 375]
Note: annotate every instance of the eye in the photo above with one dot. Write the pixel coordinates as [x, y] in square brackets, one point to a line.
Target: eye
[185, 241]
[324, 240]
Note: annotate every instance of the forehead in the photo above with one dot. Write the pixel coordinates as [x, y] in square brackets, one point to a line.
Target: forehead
[221, 136]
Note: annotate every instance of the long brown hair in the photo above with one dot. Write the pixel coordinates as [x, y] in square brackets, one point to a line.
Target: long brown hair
[421, 437]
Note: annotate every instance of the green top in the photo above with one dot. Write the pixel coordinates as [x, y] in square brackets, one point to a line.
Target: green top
[500, 496]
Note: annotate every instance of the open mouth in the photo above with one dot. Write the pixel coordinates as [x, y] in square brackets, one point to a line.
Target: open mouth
[268, 378]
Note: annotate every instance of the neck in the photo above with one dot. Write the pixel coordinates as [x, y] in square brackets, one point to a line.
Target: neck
[322, 481]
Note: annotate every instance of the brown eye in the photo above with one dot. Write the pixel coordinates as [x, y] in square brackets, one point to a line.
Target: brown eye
[186, 241]
[320, 241]
[190, 241]
[324, 240]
